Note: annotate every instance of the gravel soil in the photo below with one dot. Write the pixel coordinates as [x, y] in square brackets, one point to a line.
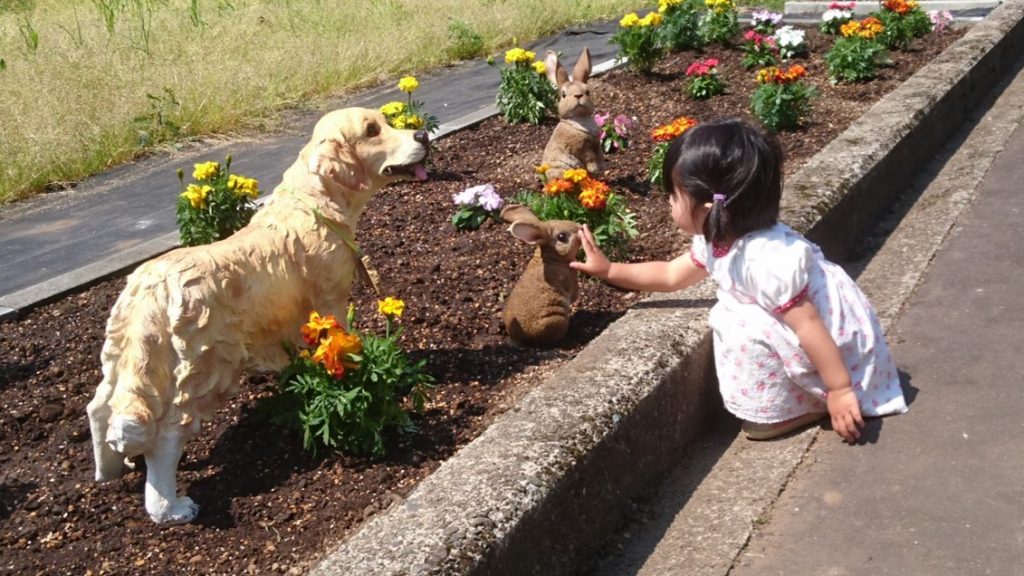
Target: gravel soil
[268, 506]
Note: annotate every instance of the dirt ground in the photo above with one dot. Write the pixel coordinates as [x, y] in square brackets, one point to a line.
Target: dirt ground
[269, 507]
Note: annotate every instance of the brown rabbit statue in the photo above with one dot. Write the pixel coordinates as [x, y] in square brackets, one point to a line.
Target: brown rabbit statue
[576, 141]
[538, 309]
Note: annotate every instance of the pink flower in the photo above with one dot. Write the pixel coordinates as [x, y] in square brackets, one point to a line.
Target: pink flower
[841, 6]
[622, 124]
[600, 119]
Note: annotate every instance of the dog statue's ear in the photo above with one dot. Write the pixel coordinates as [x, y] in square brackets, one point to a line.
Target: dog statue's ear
[336, 160]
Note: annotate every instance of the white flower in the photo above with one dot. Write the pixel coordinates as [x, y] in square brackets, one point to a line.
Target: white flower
[834, 14]
[790, 41]
[483, 196]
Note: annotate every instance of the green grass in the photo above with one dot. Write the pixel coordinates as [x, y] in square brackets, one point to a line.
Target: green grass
[87, 84]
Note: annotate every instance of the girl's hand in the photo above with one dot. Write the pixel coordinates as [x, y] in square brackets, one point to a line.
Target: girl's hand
[845, 412]
[597, 263]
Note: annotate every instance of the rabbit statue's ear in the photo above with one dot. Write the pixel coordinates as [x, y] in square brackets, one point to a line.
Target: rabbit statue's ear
[581, 72]
[518, 213]
[556, 73]
[529, 232]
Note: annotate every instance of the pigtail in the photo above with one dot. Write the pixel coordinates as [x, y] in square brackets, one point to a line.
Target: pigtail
[716, 225]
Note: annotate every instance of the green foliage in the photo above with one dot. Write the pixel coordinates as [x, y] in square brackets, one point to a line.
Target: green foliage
[639, 40]
[720, 24]
[30, 35]
[782, 106]
[614, 226]
[158, 125]
[680, 26]
[525, 94]
[656, 164]
[216, 205]
[347, 389]
[463, 40]
[901, 29]
[853, 59]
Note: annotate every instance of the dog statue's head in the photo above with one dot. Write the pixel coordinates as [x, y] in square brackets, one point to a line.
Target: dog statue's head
[358, 150]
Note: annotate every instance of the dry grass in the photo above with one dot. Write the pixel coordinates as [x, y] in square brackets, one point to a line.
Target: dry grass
[82, 97]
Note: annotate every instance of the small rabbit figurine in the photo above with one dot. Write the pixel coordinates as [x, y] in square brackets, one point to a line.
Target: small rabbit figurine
[538, 309]
[576, 141]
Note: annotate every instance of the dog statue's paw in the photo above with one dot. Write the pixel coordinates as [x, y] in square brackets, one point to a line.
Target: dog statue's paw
[183, 511]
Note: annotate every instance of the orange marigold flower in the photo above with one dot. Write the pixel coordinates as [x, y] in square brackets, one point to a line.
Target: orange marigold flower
[336, 350]
[593, 194]
[316, 326]
[767, 75]
[670, 131]
[557, 186]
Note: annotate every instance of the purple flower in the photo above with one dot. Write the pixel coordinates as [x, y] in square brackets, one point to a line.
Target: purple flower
[623, 124]
[483, 196]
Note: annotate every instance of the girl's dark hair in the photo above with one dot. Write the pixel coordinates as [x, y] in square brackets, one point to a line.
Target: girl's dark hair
[732, 158]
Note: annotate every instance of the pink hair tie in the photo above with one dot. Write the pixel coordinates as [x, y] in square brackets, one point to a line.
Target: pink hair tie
[718, 198]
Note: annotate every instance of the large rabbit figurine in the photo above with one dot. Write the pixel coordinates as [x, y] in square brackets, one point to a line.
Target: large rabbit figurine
[538, 309]
[576, 141]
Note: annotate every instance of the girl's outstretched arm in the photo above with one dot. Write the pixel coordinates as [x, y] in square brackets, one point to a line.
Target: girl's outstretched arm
[821, 348]
[646, 276]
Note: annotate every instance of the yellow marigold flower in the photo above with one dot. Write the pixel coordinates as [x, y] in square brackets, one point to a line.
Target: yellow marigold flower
[652, 19]
[558, 186]
[664, 5]
[629, 20]
[518, 55]
[336, 350]
[575, 175]
[205, 170]
[767, 75]
[316, 326]
[542, 169]
[391, 307]
[408, 122]
[393, 108]
[851, 28]
[719, 6]
[539, 67]
[408, 84]
[196, 195]
[244, 186]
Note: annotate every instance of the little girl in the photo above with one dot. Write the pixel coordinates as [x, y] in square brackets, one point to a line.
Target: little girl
[794, 337]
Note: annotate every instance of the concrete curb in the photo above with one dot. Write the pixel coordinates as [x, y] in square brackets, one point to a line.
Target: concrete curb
[543, 486]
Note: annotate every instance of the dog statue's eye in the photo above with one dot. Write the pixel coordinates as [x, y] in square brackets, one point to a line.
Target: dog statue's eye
[563, 236]
[372, 129]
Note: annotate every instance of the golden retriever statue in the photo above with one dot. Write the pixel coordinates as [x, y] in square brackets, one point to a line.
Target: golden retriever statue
[189, 322]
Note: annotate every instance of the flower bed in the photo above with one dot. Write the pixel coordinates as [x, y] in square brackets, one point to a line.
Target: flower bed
[266, 504]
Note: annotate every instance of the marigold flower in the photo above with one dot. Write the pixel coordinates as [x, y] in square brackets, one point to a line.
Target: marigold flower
[518, 55]
[336, 350]
[244, 186]
[651, 19]
[542, 169]
[196, 195]
[629, 20]
[407, 122]
[593, 194]
[317, 325]
[558, 186]
[391, 307]
[667, 132]
[664, 5]
[575, 175]
[393, 108]
[539, 67]
[408, 84]
[205, 170]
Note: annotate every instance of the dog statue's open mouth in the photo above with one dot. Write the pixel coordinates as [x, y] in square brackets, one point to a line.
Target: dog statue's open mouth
[415, 170]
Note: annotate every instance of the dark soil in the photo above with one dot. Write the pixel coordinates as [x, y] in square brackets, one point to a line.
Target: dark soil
[269, 507]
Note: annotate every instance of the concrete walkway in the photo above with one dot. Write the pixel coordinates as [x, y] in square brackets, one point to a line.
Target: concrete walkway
[934, 492]
[941, 491]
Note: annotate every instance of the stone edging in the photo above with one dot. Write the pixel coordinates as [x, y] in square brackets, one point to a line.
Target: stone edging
[542, 486]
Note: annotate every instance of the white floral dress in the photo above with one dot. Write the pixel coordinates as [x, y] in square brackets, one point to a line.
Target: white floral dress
[763, 373]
